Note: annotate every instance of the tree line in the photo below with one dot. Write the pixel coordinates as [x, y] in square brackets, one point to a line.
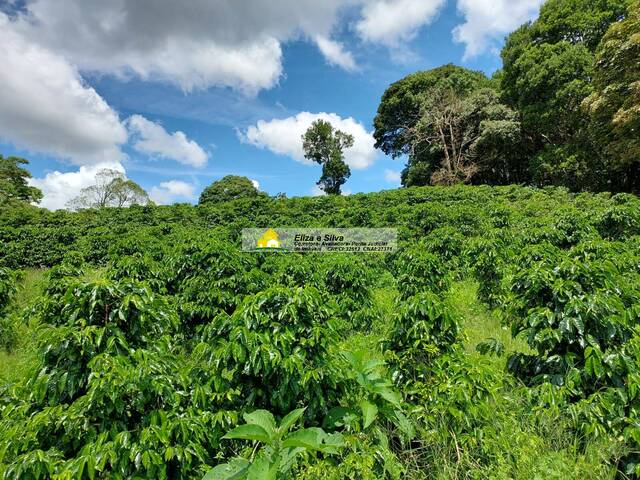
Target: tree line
[563, 110]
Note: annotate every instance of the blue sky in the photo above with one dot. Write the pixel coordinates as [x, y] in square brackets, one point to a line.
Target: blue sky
[177, 98]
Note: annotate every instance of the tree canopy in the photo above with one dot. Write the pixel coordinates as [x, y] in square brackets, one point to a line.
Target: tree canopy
[401, 103]
[457, 137]
[444, 120]
[111, 189]
[615, 104]
[563, 110]
[228, 188]
[14, 184]
[548, 71]
[325, 145]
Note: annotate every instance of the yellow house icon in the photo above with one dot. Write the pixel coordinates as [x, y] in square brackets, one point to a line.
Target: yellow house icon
[270, 239]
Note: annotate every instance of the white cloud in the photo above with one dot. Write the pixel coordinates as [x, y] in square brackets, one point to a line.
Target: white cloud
[392, 176]
[197, 44]
[58, 188]
[316, 191]
[284, 137]
[46, 107]
[255, 183]
[335, 54]
[169, 192]
[391, 22]
[153, 139]
[488, 21]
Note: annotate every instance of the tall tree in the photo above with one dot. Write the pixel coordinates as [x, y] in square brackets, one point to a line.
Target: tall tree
[615, 105]
[14, 184]
[228, 188]
[548, 68]
[325, 145]
[459, 136]
[402, 106]
[111, 189]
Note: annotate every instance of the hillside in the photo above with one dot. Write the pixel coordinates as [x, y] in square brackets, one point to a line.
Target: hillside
[500, 341]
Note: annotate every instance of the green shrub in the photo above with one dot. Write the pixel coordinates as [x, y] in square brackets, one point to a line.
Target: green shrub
[423, 329]
[274, 350]
[418, 270]
[348, 282]
[7, 287]
[112, 396]
[487, 259]
[576, 312]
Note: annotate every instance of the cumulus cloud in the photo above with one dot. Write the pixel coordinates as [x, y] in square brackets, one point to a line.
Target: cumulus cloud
[58, 188]
[284, 137]
[391, 22]
[171, 191]
[316, 191]
[392, 176]
[197, 44]
[151, 138]
[488, 21]
[45, 106]
[335, 54]
[255, 183]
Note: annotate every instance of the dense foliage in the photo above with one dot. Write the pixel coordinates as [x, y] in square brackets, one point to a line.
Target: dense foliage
[14, 185]
[562, 111]
[230, 187]
[323, 144]
[153, 337]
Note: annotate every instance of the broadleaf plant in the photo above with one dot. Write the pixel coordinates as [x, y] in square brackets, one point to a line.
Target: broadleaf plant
[279, 448]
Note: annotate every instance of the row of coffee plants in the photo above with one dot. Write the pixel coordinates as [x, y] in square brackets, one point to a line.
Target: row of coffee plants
[145, 365]
[165, 352]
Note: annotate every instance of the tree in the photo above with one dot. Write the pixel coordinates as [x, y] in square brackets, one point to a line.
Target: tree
[455, 137]
[325, 145]
[228, 188]
[401, 107]
[615, 105]
[111, 189]
[577, 21]
[14, 184]
[548, 69]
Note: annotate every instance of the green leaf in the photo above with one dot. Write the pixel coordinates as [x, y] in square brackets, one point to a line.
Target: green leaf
[263, 469]
[290, 419]
[236, 469]
[332, 443]
[389, 395]
[369, 413]
[335, 417]
[287, 456]
[249, 432]
[308, 438]
[405, 425]
[314, 439]
[262, 418]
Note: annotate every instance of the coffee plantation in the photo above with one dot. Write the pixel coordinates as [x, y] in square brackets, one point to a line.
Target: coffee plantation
[501, 340]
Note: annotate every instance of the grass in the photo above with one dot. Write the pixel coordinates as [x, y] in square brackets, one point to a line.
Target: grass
[517, 443]
[478, 322]
[16, 364]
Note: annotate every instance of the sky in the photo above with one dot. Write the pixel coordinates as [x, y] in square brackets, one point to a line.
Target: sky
[176, 95]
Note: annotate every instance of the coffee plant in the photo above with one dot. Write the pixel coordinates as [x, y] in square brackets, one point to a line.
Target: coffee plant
[500, 340]
[423, 328]
[275, 349]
